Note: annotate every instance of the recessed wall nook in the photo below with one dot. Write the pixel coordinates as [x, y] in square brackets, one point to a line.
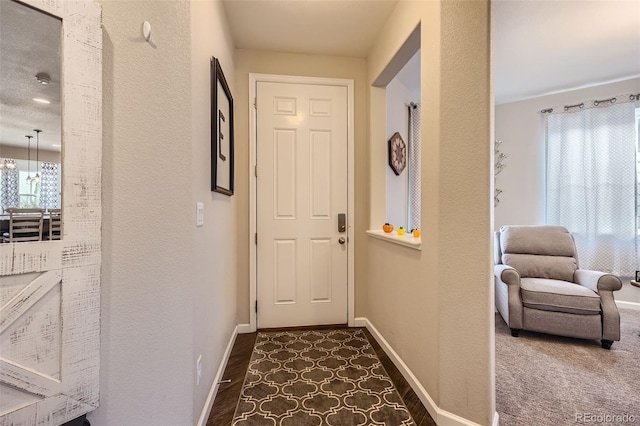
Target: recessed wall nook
[400, 209]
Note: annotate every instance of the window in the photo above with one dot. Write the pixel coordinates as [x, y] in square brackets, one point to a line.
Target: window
[592, 185]
[16, 192]
[29, 192]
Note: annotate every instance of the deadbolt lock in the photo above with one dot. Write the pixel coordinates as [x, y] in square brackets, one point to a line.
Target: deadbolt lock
[342, 222]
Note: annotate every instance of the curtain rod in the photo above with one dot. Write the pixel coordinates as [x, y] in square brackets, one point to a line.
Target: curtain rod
[613, 100]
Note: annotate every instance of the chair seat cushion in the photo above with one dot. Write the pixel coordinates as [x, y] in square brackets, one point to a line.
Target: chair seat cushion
[559, 296]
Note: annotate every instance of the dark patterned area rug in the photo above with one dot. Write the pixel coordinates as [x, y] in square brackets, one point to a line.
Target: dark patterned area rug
[319, 377]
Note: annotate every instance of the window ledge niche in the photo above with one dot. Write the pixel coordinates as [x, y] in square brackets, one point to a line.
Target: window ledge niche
[404, 240]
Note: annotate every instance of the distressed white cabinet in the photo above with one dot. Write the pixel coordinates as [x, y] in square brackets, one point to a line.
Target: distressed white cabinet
[50, 291]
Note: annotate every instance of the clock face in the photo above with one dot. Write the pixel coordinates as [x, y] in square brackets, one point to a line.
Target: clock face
[397, 154]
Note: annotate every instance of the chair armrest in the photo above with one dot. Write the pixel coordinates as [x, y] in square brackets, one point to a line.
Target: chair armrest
[604, 284]
[508, 299]
[597, 281]
[507, 275]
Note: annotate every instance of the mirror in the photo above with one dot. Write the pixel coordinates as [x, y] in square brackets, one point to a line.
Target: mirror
[30, 129]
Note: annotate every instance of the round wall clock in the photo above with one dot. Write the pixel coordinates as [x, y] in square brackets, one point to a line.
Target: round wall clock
[397, 154]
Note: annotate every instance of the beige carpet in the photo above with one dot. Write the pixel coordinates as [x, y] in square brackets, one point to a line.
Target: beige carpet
[551, 380]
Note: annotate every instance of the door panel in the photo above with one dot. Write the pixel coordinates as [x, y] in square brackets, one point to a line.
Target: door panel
[50, 290]
[284, 268]
[301, 188]
[320, 180]
[30, 338]
[320, 268]
[284, 184]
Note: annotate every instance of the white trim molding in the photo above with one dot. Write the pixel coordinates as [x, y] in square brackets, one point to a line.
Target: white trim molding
[349, 84]
[403, 240]
[440, 416]
[206, 410]
[360, 322]
[628, 305]
[244, 329]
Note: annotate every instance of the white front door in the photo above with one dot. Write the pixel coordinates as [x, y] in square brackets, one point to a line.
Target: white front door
[301, 191]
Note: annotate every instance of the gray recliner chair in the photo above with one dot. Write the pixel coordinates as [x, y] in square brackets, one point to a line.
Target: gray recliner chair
[540, 288]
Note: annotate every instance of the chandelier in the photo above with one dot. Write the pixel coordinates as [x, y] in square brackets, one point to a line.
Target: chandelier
[37, 177]
[28, 159]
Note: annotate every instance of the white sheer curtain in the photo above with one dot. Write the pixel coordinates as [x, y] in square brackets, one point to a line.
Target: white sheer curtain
[9, 184]
[415, 166]
[50, 188]
[591, 181]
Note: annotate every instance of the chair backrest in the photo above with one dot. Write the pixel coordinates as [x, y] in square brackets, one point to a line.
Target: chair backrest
[55, 224]
[538, 251]
[25, 224]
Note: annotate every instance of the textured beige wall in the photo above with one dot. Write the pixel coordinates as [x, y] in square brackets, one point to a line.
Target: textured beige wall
[263, 62]
[146, 302]
[402, 290]
[465, 260]
[168, 291]
[147, 321]
[435, 306]
[10, 151]
[214, 245]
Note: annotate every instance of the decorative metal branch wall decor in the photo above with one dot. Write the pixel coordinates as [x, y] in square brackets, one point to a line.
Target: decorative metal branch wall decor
[499, 165]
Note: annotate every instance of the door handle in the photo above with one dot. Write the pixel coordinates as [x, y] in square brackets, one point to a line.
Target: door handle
[342, 240]
[342, 222]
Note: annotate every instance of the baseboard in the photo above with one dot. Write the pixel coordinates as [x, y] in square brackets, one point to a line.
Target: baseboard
[245, 328]
[359, 322]
[441, 417]
[628, 305]
[206, 410]
[496, 419]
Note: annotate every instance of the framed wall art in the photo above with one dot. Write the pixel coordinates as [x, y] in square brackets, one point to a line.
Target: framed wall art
[221, 131]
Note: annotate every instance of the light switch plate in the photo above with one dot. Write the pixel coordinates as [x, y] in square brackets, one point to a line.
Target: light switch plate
[199, 214]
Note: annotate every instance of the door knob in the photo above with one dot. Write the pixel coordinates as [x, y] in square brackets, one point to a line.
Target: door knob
[341, 240]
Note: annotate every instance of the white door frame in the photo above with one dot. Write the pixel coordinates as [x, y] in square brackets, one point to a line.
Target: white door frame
[253, 80]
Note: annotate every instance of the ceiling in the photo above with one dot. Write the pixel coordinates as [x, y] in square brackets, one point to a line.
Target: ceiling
[29, 44]
[317, 27]
[542, 47]
[539, 46]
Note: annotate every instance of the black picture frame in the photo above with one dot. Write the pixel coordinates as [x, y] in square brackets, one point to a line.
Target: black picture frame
[222, 158]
